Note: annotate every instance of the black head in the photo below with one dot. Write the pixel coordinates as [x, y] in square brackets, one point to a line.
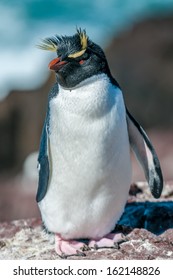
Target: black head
[78, 58]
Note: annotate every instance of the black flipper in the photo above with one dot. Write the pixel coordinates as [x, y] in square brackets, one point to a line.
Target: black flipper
[145, 153]
[44, 161]
[44, 165]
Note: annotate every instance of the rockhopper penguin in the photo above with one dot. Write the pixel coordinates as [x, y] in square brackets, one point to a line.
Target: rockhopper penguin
[84, 159]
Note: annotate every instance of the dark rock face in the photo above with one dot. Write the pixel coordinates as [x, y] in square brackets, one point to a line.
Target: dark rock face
[21, 119]
[141, 59]
[146, 225]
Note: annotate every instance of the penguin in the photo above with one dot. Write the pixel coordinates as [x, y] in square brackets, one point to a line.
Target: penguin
[84, 159]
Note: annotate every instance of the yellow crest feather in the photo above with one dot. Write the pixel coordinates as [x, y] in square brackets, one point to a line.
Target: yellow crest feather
[48, 44]
[77, 54]
[83, 38]
[84, 43]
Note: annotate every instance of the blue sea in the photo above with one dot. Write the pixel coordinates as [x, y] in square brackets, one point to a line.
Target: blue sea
[23, 23]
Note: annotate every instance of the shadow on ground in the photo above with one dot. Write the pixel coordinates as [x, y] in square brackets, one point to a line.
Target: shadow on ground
[156, 217]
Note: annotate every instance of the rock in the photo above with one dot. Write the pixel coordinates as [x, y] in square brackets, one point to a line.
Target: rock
[141, 59]
[25, 239]
[17, 199]
[147, 226]
[22, 115]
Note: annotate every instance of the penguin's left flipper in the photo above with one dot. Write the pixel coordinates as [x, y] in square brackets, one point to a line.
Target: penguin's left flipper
[145, 153]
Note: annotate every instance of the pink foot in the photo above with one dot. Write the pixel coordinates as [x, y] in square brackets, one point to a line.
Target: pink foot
[110, 240]
[66, 248]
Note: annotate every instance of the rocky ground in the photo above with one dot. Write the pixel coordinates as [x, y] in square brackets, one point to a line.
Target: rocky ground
[147, 225]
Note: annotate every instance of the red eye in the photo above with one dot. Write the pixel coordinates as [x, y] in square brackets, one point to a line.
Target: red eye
[81, 61]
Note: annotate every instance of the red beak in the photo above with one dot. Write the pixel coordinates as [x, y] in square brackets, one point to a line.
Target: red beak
[56, 64]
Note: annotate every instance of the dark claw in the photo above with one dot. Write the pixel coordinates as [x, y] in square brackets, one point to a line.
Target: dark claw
[81, 254]
[125, 239]
[78, 253]
[85, 248]
[116, 245]
[63, 256]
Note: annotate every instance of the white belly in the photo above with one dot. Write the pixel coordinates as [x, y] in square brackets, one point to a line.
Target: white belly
[90, 161]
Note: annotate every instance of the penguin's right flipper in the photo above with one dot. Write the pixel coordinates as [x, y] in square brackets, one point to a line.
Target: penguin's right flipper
[44, 162]
[43, 165]
[145, 153]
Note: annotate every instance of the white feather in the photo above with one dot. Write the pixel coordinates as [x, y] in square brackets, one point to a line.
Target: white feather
[90, 159]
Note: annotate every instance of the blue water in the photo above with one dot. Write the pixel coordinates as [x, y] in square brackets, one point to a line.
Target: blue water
[24, 23]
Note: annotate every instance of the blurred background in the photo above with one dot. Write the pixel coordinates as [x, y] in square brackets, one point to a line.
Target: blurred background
[137, 37]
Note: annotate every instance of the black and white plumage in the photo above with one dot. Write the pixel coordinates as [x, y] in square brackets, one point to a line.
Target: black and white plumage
[84, 158]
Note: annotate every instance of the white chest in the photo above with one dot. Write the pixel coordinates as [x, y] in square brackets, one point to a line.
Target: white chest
[90, 160]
